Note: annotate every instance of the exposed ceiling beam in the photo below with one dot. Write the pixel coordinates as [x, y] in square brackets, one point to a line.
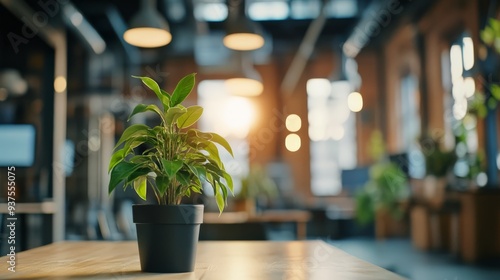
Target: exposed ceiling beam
[77, 22]
[304, 52]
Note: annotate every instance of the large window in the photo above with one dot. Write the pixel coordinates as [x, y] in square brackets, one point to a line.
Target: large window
[409, 125]
[332, 131]
[231, 117]
[460, 121]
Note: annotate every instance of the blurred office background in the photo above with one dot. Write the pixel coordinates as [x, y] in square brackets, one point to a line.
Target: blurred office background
[373, 124]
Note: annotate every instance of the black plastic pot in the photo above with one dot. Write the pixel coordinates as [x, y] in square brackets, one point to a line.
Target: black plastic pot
[167, 236]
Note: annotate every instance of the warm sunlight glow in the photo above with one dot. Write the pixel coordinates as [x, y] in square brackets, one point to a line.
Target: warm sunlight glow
[147, 37]
[355, 101]
[293, 123]
[60, 84]
[238, 115]
[292, 142]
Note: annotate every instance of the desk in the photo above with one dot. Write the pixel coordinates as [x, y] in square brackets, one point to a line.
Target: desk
[216, 260]
[299, 217]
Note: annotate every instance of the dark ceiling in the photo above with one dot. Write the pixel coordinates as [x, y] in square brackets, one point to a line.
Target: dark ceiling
[108, 16]
[287, 29]
[285, 32]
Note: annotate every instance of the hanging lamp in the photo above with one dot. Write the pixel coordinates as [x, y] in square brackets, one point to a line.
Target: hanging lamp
[242, 34]
[148, 28]
[247, 81]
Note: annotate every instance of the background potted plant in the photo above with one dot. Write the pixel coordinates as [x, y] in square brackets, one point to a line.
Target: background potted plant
[438, 163]
[176, 161]
[255, 185]
[383, 197]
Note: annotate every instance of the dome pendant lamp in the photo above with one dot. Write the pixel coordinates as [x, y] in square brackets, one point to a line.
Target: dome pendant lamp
[148, 28]
[247, 81]
[242, 34]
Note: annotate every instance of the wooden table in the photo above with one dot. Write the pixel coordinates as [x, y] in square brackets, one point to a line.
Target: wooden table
[299, 217]
[216, 260]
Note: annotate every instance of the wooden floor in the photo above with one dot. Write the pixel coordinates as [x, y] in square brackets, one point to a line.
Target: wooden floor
[398, 255]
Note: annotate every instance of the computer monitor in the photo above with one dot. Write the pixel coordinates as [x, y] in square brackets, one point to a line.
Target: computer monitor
[354, 179]
[17, 145]
[402, 161]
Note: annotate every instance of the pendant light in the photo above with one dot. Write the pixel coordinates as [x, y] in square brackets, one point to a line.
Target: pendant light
[242, 34]
[148, 28]
[247, 81]
[346, 78]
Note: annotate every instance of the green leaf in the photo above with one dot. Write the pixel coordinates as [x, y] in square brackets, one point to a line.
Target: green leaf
[140, 159]
[121, 172]
[140, 108]
[173, 114]
[202, 172]
[182, 89]
[220, 200]
[171, 167]
[223, 142]
[229, 180]
[213, 153]
[199, 171]
[136, 141]
[164, 92]
[213, 168]
[192, 115]
[117, 157]
[196, 189]
[151, 84]
[141, 171]
[196, 136]
[140, 187]
[162, 183]
[183, 178]
[133, 131]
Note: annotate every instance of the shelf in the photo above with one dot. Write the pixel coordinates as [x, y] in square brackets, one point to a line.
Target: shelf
[46, 207]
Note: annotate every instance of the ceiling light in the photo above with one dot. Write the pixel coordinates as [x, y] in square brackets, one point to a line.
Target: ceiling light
[242, 34]
[148, 28]
[355, 101]
[246, 81]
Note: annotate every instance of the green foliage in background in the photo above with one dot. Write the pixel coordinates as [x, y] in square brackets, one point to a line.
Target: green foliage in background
[437, 160]
[178, 158]
[257, 183]
[491, 34]
[387, 187]
[480, 103]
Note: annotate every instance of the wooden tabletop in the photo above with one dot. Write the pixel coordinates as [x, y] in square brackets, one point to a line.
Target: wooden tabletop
[216, 260]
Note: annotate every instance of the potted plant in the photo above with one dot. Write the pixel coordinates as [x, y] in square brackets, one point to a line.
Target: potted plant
[255, 185]
[176, 161]
[438, 163]
[383, 197]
